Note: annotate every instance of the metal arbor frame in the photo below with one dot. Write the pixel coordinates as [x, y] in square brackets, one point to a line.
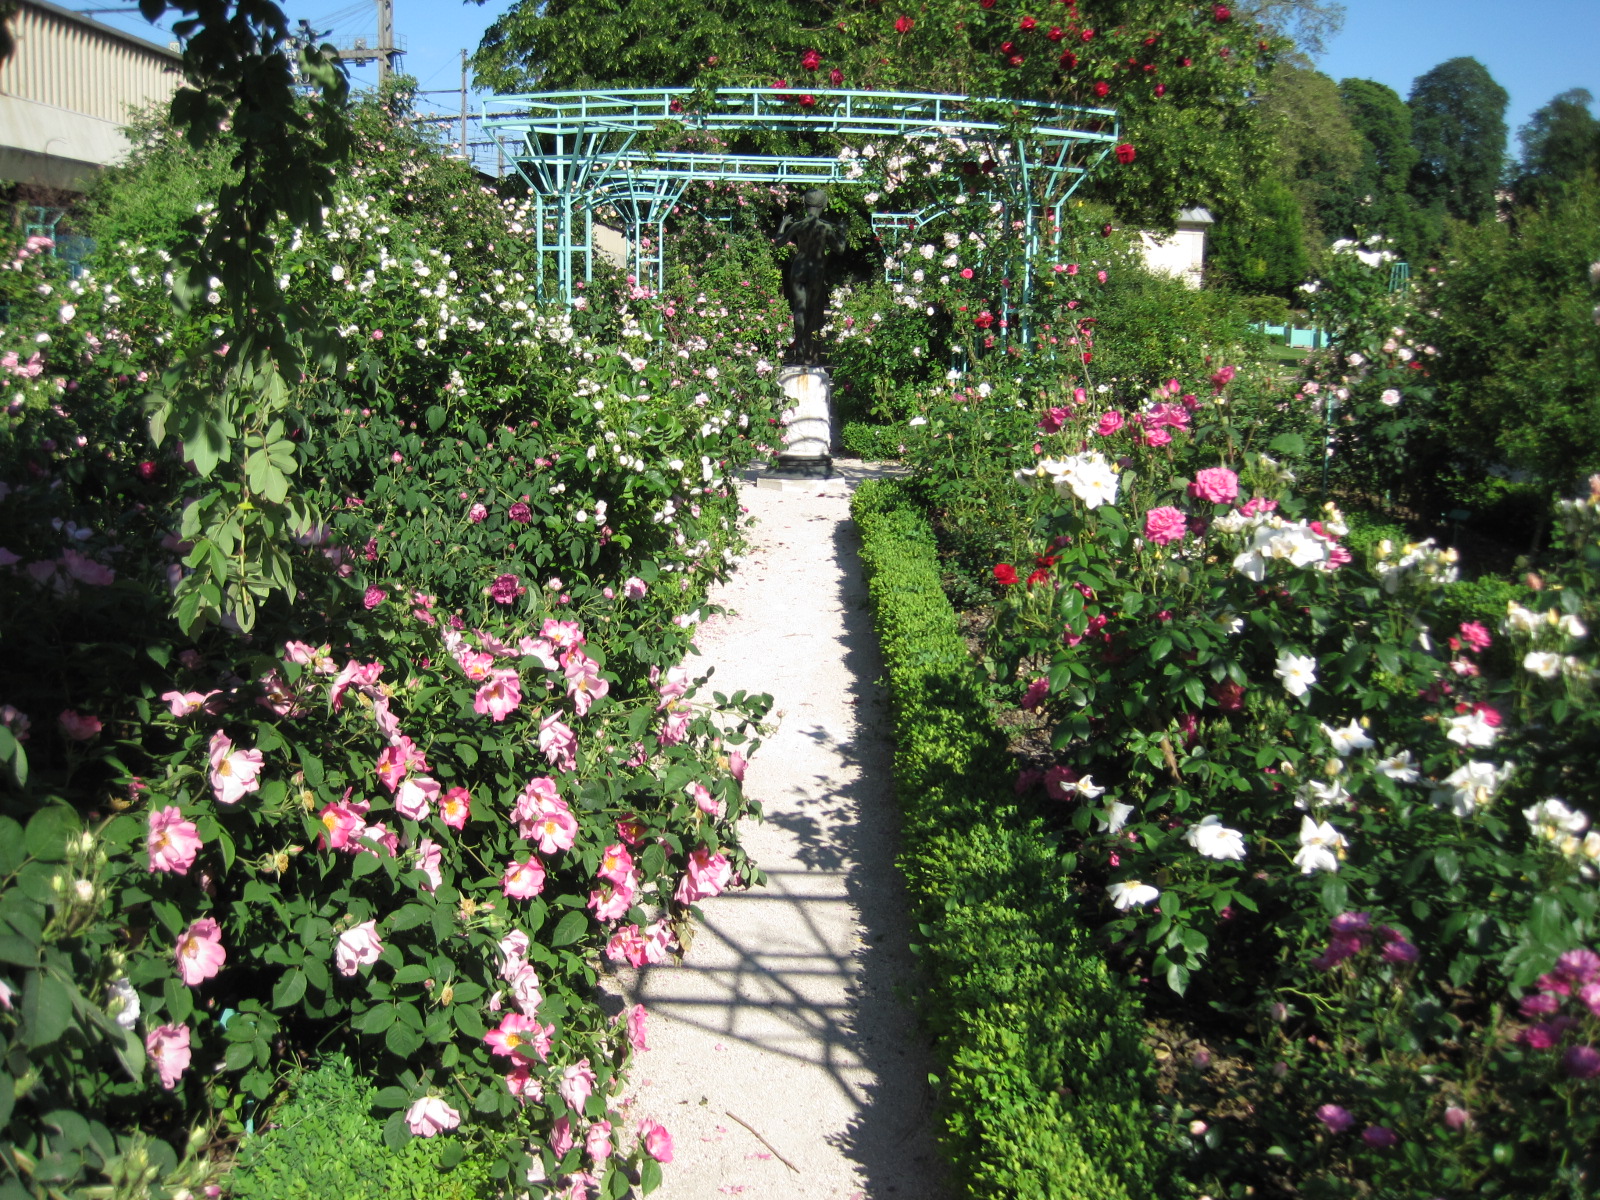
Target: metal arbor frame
[580, 150]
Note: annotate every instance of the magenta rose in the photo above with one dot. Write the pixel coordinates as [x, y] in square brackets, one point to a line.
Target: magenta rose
[1165, 524]
[520, 513]
[1216, 484]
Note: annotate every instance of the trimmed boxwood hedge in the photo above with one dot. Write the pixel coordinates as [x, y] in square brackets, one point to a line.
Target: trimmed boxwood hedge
[1048, 1091]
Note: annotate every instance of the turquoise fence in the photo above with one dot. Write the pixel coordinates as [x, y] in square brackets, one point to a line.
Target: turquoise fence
[1293, 335]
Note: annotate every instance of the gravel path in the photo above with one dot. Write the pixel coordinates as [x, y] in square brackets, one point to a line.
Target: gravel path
[786, 1034]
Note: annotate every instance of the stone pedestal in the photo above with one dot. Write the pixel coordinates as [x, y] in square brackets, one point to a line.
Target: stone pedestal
[808, 436]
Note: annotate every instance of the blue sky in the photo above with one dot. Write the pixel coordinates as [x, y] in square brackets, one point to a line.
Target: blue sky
[1534, 49]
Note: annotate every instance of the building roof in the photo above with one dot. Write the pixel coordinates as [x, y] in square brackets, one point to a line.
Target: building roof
[77, 18]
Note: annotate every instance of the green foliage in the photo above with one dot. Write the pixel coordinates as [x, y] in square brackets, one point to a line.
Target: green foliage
[1047, 1089]
[321, 1142]
[1259, 242]
[875, 443]
[1318, 149]
[1458, 126]
[1377, 199]
[1560, 148]
[1519, 349]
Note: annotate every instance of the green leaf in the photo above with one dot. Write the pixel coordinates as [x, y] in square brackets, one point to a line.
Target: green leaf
[180, 1001]
[649, 1175]
[18, 951]
[1291, 444]
[46, 1009]
[402, 1040]
[391, 1097]
[1448, 863]
[49, 830]
[291, 987]
[395, 1131]
[570, 928]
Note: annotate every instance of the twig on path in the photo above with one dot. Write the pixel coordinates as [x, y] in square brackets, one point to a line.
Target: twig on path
[763, 1141]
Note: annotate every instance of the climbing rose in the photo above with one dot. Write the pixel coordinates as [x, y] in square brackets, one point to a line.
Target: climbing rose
[168, 1048]
[199, 952]
[811, 60]
[505, 589]
[1165, 524]
[77, 726]
[657, 1141]
[903, 24]
[577, 1085]
[374, 597]
[233, 772]
[1126, 153]
[835, 77]
[430, 1115]
[523, 880]
[173, 841]
[357, 948]
[1216, 484]
[707, 876]
[455, 806]
[558, 743]
[497, 697]
[636, 1030]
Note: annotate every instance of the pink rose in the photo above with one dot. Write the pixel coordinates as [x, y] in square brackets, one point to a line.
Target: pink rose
[168, 1048]
[455, 806]
[374, 597]
[1036, 693]
[577, 1085]
[186, 704]
[173, 842]
[705, 801]
[707, 876]
[430, 856]
[1476, 636]
[430, 1116]
[584, 685]
[477, 513]
[1216, 484]
[344, 823]
[634, 588]
[79, 726]
[1336, 1118]
[358, 947]
[199, 952]
[1109, 423]
[516, 1031]
[499, 696]
[737, 763]
[636, 1030]
[1165, 524]
[233, 772]
[598, 1141]
[616, 864]
[612, 902]
[558, 743]
[656, 1140]
[561, 1137]
[416, 798]
[523, 880]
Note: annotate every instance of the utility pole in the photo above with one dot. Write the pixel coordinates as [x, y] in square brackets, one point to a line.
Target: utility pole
[466, 155]
[386, 53]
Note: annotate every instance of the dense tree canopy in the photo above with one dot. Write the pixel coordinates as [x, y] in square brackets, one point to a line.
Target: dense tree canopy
[1376, 198]
[1560, 146]
[1458, 122]
[1180, 77]
[1318, 150]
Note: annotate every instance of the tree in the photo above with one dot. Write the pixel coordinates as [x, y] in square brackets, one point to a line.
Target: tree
[1181, 78]
[1560, 145]
[1319, 152]
[1259, 244]
[1309, 24]
[1458, 126]
[1376, 199]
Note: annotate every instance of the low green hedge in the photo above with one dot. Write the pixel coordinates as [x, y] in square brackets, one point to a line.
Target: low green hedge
[1049, 1092]
[874, 443]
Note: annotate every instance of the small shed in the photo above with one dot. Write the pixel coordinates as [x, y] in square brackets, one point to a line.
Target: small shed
[1181, 253]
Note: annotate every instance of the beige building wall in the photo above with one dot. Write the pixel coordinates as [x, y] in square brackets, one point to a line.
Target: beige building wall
[68, 89]
[1181, 253]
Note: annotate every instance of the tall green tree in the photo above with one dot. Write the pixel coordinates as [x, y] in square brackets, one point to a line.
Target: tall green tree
[1318, 149]
[1376, 198]
[1458, 126]
[1560, 146]
[1259, 244]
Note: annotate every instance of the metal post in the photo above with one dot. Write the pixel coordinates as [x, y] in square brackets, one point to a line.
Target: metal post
[466, 155]
[386, 53]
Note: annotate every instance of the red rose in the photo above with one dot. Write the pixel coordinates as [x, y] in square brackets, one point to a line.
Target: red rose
[1087, 35]
[1102, 89]
[1015, 60]
[807, 101]
[903, 24]
[676, 105]
[1161, 89]
[811, 60]
[1007, 47]
[1040, 576]
[148, 471]
[780, 83]
[1186, 62]
[1005, 573]
[1068, 60]
[1126, 153]
[985, 3]
[836, 77]
[1087, 357]
[983, 320]
[1221, 13]
[1027, 23]
[1055, 34]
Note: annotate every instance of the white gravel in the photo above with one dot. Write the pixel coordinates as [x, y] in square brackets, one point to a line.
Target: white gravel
[786, 1033]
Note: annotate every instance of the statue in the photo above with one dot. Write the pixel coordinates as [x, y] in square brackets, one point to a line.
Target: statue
[813, 236]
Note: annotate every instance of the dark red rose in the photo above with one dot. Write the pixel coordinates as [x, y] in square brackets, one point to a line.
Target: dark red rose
[811, 60]
[1005, 573]
[1126, 153]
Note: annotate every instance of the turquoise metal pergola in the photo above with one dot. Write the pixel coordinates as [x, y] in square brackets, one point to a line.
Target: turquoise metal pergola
[579, 151]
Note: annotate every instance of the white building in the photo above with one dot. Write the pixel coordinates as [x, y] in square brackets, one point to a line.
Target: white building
[1181, 253]
[67, 90]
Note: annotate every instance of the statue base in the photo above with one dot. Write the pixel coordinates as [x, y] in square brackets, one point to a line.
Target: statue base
[808, 423]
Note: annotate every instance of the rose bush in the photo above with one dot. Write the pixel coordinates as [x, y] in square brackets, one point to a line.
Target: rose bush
[417, 811]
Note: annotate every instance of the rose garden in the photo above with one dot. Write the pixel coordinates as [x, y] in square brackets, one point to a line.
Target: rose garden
[354, 734]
